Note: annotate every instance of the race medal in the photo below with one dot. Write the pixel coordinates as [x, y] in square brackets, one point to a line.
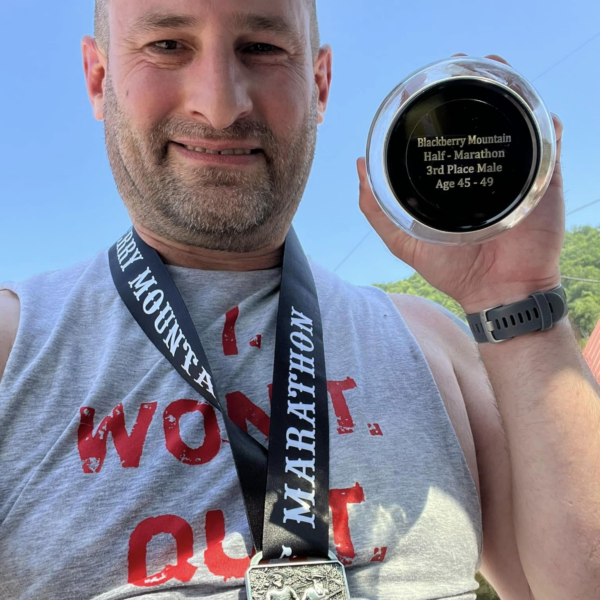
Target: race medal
[306, 580]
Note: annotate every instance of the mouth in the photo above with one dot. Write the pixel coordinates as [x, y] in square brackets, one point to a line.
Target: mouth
[223, 151]
[220, 154]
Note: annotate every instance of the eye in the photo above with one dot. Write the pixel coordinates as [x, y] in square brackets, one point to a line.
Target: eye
[166, 46]
[260, 48]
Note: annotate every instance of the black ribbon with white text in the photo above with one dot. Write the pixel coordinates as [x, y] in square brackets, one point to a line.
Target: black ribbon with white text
[285, 489]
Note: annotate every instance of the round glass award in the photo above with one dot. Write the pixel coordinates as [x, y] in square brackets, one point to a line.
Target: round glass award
[461, 151]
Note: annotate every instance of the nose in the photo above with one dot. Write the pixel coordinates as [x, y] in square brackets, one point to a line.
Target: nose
[217, 91]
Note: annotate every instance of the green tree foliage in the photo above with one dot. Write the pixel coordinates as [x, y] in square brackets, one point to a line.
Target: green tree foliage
[580, 260]
[415, 285]
[485, 591]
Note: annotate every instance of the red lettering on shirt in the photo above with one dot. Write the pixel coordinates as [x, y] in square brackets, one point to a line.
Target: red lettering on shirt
[374, 429]
[217, 562]
[379, 554]
[242, 410]
[229, 340]
[175, 444]
[256, 341]
[138, 543]
[336, 390]
[129, 447]
[338, 501]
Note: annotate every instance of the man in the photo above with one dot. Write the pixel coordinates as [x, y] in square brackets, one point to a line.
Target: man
[281, 591]
[211, 111]
[316, 591]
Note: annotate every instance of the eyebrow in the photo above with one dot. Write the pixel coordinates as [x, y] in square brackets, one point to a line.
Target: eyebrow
[243, 21]
[256, 23]
[156, 21]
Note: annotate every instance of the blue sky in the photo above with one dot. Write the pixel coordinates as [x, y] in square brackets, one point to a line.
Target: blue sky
[58, 202]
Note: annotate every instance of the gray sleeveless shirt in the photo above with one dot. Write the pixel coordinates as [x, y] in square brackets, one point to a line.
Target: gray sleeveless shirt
[116, 478]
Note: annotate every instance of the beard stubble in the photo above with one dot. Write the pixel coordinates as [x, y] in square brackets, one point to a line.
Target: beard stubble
[209, 207]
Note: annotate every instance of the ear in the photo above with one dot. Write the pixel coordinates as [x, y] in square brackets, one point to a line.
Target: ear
[94, 66]
[323, 72]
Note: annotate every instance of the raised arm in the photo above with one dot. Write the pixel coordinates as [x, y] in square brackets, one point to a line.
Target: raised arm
[546, 395]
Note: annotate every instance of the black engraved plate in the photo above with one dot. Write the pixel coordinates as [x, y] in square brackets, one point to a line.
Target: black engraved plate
[462, 155]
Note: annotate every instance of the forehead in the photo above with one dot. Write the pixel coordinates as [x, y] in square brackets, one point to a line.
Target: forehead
[126, 15]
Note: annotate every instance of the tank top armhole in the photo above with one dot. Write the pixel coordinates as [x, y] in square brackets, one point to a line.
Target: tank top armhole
[7, 374]
[386, 298]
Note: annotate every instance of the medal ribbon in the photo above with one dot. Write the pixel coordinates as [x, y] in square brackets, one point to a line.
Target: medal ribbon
[285, 489]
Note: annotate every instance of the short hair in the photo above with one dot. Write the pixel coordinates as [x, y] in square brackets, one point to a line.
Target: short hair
[102, 25]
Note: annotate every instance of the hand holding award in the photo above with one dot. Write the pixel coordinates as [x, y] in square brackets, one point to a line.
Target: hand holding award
[460, 153]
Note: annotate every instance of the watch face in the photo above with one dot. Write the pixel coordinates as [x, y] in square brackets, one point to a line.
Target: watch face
[462, 155]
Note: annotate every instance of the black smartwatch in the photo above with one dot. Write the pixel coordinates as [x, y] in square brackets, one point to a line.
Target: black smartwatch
[538, 313]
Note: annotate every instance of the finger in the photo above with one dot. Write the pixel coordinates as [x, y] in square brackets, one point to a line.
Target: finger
[459, 54]
[369, 205]
[559, 128]
[399, 243]
[367, 201]
[415, 85]
[498, 59]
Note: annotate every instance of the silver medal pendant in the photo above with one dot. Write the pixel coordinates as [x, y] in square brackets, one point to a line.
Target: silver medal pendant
[305, 580]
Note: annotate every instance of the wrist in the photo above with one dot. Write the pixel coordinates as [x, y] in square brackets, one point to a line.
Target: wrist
[561, 333]
[539, 311]
[505, 294]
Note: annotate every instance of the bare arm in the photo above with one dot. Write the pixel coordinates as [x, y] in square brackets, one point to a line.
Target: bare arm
[536, 440]
[550, 405]
[538, 460]
[9, 322]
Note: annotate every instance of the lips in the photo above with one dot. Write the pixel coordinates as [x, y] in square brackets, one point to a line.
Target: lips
[222, 148]
[225, 152]
[232, 156]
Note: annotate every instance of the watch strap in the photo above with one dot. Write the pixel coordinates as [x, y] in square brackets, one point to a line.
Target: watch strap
[539, 312]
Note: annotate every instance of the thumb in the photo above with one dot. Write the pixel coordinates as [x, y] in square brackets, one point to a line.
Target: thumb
[398, 242]
[557, 179]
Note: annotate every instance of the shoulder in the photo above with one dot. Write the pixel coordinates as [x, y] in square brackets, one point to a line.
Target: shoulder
[36, 302]
[341, 300]
[437, 330]
[43, 293]
[10, 312]
[61, 280]
[334, 290]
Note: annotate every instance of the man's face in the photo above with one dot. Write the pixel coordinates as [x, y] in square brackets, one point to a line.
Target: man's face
[233, 76]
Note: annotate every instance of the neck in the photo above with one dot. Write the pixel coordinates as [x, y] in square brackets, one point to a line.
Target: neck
[192, 257]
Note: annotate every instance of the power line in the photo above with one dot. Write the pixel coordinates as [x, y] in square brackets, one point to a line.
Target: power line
[353, 251]
[572, 212]
[364, 239]
[584, 280]
[558, 62]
